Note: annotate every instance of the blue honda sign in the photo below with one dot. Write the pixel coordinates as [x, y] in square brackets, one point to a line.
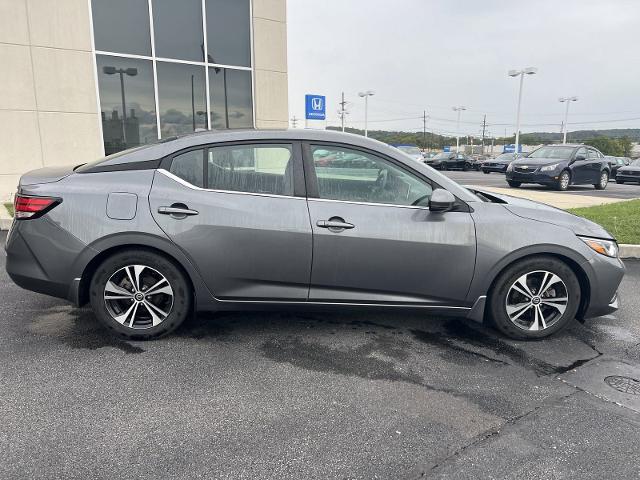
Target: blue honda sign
[511, 148]
[315, 107]
[446, 149]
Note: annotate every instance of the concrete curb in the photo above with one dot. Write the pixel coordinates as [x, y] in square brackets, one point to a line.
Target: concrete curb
[5, 218]
[5, 224]
[629, 251]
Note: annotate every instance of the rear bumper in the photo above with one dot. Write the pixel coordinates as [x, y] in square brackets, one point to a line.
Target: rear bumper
[39, 267]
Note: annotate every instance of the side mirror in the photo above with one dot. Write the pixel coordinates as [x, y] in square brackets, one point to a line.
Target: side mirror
[441, 201]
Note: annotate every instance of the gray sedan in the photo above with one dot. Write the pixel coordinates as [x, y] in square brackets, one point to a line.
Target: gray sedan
[299, 219]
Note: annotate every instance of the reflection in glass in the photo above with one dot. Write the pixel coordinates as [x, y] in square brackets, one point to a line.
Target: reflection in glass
[177, 28]
[231, 105]
[127, 103]
[121, 26]
[228, 33]
[181, 97]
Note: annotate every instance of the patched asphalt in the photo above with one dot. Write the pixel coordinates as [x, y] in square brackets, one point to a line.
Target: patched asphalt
[311, 395]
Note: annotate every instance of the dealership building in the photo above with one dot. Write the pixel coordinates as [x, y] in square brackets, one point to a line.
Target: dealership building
[85, 78]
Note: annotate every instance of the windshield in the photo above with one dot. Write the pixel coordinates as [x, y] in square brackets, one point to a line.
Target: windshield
[563, 153]
[505, 156]
[442, 155]
[409, 150]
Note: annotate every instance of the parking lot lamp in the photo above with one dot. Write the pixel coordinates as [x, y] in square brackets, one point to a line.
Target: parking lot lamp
[521, 74]
[366, 96]
[458, 110]
[566, 100]
[132, 72]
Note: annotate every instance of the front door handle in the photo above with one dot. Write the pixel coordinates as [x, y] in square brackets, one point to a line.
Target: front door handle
[335, 224]
[177, 210]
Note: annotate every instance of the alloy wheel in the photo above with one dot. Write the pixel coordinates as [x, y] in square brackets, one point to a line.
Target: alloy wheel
[604, 179]
[138, 296]
[536, 300]
[564, 181]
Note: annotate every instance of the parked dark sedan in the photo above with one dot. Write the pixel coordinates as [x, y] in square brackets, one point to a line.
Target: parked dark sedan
[615, 163]
[453, 161]
[630, 173]
[559, 166]
[239, 220]
[500, 163]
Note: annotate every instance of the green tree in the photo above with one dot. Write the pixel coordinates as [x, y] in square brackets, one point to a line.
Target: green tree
[606, 145]
[626, 145]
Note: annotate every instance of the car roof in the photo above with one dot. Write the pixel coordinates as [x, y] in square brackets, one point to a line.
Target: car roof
[170, 145]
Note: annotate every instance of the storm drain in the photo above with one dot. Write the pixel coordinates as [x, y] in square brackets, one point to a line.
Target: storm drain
[622, 384]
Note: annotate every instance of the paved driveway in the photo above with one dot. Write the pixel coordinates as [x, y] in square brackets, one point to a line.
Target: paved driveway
[315, 395]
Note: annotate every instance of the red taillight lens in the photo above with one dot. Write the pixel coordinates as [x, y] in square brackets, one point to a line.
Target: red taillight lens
[32, 207]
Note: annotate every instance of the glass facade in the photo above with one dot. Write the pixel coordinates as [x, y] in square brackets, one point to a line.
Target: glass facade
[166, 68]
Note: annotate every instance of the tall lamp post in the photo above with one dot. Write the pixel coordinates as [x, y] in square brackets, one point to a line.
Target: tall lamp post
[366, 96]
[566, 100]
[458, 110]
[521, 74]
[132, 72]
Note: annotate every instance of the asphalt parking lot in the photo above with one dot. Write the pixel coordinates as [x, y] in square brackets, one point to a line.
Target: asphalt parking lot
[315, 395]
[613, 190]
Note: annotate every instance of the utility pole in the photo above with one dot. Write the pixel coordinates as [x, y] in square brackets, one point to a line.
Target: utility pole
[342, 111]
[294, 122]
[424, 129]
[484, 127]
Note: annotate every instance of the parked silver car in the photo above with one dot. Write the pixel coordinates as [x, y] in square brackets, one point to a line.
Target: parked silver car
[300, 218]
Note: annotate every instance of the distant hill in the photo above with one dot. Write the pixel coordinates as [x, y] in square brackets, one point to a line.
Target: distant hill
[436, 141]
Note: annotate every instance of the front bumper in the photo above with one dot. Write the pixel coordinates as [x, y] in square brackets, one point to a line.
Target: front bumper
[627, 177]
[545, 178]
[494, 168]
[605, 275]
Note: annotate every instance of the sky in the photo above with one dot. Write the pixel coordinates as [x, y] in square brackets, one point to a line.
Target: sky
[432, 55]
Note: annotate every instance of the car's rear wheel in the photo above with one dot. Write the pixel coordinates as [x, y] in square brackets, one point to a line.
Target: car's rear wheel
[139, 294]
[621, 182]
[604, 180]
[534, 298]
[486, 171]
[564, 180]
[513, 184]
[465, 167]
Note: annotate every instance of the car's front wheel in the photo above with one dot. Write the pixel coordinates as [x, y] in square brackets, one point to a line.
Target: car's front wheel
[621, 182]
[486, 171]
[513, 184]
[534, 298]
[564, 180]
[139, 294]
[604, 180]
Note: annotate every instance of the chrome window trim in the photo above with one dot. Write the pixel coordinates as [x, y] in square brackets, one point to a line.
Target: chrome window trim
[194, 187]
[375, 204]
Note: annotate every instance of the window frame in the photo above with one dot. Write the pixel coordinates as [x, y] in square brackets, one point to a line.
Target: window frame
[299, 188]
[311, 179]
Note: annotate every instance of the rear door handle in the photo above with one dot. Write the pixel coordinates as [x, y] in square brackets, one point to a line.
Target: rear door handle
[179, 212]
[334, 224]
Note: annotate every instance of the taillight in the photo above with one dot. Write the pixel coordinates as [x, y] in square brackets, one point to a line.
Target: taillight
[33, 207]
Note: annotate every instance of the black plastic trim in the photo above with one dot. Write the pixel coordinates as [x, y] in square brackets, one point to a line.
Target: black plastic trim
[121, 167]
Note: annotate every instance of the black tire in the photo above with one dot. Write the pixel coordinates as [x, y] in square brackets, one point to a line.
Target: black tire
[604, 180]
[500, 290]
[486, 171]
[561, 184]
[465, 167]
[181, 293]
[513, 184]
[621, 182]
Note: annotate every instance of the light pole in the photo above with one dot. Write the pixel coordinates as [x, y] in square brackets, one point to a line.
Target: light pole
[366, 96]
[458, 109]
[566, 100]
[521, 74]
[132, 72]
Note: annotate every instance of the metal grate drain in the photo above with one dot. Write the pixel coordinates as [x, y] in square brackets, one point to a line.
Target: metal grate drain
[623, 384]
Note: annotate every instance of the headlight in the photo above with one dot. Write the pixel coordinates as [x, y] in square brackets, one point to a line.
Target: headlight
[549, 168]
[608, 248]
[510, 168]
